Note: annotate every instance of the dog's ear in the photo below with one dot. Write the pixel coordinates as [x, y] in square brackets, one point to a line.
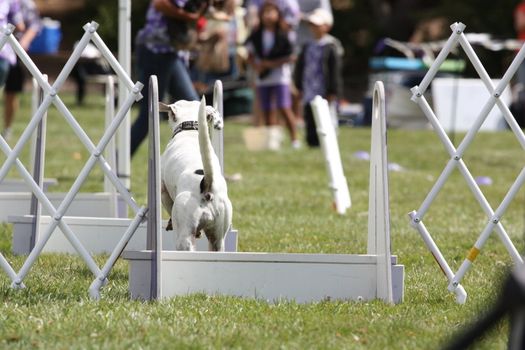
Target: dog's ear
[164, 107]
[214, 117]
[170, 109]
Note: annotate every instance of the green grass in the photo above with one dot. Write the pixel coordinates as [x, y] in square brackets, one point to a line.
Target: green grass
[282, 204]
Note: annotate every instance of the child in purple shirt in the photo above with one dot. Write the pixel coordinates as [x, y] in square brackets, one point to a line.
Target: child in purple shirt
[270, 55]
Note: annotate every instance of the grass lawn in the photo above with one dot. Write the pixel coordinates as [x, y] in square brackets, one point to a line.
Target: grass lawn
[282, 204]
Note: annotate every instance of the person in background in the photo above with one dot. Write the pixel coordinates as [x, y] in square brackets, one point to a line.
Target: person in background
[519, 20]
[290, 12]
[318, 70]
[217, 49]
[241, 34]
[16, 76]
[158, 53]
[291, 16]
[517, 106]
[10, 12]
[91, 63]
[270, 54]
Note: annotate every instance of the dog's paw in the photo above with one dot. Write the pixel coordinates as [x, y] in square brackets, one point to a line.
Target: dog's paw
[213, 116]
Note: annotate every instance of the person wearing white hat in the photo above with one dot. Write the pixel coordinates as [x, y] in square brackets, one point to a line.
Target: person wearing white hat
[318, 69]
[320, 17]
[307, 7]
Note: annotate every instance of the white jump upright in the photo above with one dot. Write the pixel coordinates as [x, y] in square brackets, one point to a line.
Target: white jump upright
[330, 148]
[111, 150]
[456, 160]
[38, 169]
[154, 230]
[96, 157]
[156, 274]
[378, 196]
[124, 57]
[217, 136]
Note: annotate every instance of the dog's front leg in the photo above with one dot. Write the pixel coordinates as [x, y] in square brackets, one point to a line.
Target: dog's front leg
[167, 203]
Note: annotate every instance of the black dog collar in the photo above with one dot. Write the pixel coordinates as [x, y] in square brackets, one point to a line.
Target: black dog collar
[187, 125]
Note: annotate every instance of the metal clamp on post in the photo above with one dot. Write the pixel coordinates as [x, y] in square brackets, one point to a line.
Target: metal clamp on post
[416, 93]
[91, 27]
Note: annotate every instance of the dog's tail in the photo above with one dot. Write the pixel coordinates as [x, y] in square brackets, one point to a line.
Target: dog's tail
[207, 152]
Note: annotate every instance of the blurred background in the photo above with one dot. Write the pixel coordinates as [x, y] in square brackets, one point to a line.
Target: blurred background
[359, 24]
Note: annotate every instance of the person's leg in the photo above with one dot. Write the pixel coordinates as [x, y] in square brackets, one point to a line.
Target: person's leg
[10, 108]
[289, 119]
[258, 118]
[311, 133]
[4, 71]
[271, 117]
[79, 74]
[271, 108]
[284, 103]
[265, 106]
[296, 106]
[180, 84]
[14, 85]
[148, 63]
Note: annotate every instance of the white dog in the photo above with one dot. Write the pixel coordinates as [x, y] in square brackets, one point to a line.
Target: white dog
[194, 191]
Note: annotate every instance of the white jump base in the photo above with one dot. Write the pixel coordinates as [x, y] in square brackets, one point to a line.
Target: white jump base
[17, 185]
[97, 235]
[266, 276]
[303, 278]
[85, 204]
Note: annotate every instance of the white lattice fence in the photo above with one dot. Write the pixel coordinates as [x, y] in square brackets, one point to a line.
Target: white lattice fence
[456, 159]
[51, 96]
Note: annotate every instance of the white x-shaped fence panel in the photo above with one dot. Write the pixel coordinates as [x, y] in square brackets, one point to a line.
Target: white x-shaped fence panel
[456, 161]
[96, 156]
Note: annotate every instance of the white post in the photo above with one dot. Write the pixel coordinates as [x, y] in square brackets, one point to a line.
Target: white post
[217, 137]
[154, 229]
[124, 57]
[330, 148]
[35, 102]
[38, 154]
[110, 150]
[378, 207]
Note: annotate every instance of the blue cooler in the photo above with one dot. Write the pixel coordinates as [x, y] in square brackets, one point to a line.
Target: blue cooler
[48, 39]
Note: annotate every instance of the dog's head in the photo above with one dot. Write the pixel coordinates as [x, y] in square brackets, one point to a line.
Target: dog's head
[182, 111]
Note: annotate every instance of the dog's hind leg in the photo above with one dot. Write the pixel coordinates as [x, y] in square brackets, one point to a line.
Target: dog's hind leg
[216, 238]
[214, 244]
[216, 234]
[185, 238]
